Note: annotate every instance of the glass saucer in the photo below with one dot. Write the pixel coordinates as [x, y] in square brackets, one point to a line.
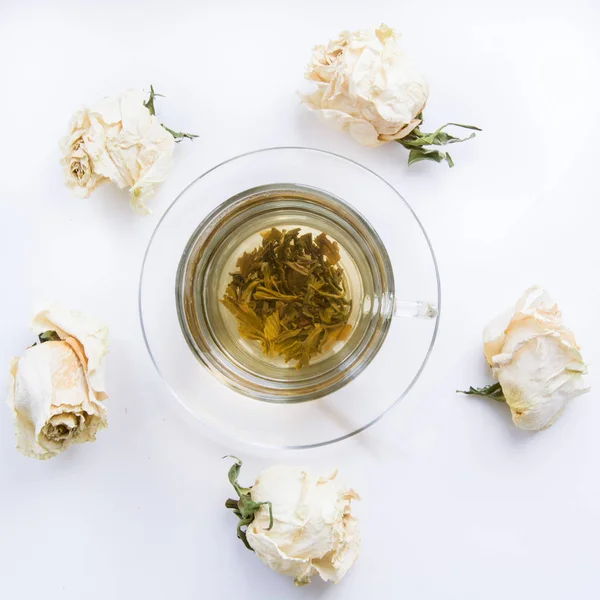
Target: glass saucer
[227, 394]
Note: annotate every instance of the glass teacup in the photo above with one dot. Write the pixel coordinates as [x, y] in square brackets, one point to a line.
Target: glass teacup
[388, 265]
[235, 227]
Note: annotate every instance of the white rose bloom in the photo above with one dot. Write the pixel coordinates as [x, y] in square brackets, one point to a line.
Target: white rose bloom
[56, 388]
[314, 531]
[367, 86]
[118, 140]
[536, 360]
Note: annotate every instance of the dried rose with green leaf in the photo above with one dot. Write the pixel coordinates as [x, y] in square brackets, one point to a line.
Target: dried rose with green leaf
[368, 87]
[535, 359]
[299, 524]
[119, 139]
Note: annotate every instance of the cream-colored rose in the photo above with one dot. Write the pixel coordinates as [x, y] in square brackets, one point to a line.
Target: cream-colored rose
[314, 532]
[56, 388]
[118, 140]
[367, 86]
[536, 360]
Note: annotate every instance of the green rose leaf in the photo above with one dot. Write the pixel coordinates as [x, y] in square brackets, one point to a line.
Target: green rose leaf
[416, 141]
[417, 155]
[493, 391]
[244, 508]
[149, 104]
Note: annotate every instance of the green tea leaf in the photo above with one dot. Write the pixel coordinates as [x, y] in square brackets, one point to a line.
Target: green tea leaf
[245, 262]
[272, 326]
[243, 313]
[289, 294]
[328, 248]
[299, 268]
[263, 293]
[273, 235]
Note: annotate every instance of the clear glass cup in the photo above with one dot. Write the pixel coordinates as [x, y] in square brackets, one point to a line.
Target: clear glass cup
[391, 273]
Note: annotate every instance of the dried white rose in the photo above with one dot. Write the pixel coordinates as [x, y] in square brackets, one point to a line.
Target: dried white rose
[300, 524]
[368, 87]
[56, 388]
[119, 140]
[535, 359]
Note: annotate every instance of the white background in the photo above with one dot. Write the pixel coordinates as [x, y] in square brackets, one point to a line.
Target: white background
[456, 502]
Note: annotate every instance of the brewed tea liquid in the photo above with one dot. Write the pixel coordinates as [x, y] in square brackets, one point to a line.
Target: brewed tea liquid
[351, 283]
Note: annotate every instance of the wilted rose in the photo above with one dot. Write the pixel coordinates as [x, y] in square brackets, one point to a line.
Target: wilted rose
[56, 389]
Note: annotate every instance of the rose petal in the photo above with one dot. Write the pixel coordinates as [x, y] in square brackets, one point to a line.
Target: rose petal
[91, 333]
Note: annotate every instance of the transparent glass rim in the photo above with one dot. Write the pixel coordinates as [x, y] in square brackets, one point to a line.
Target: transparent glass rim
[425, 358]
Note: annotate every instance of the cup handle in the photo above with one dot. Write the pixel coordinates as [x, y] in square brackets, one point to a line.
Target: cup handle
[415, 309]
